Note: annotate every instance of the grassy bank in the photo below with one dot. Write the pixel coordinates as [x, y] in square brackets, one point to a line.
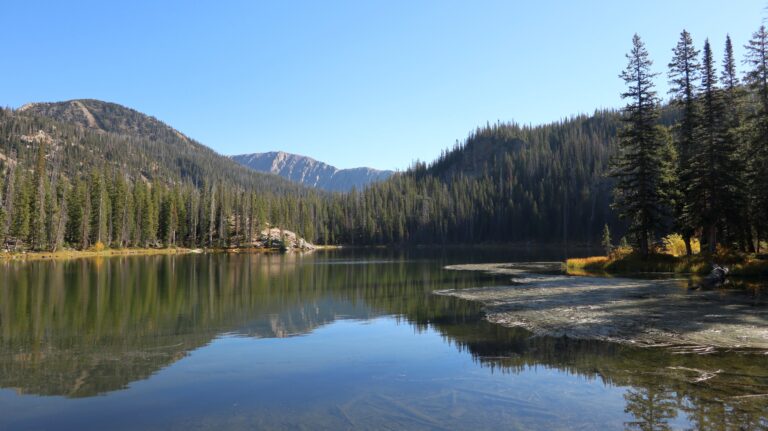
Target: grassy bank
[76, 254]
[664, 263]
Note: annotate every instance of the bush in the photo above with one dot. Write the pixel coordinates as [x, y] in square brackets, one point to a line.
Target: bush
[99, 246]
[674, 245]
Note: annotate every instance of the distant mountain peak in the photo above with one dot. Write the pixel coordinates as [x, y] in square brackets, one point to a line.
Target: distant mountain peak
[311, 172]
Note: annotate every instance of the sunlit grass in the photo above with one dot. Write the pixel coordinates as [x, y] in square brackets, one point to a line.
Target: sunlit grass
[671, 258]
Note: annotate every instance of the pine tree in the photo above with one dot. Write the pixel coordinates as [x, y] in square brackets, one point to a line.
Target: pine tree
[20, 216]
[57, 214]
[738, 223]
[74, 215]
[38, 215]
[757, 177]
[684, 71]
[3, 214]
[713, 182]
[639, 168]
[99, 208]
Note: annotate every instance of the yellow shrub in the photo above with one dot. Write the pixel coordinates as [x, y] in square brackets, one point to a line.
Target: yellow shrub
[620, 252]
[581, 262]
[675, 245]
[99, 246]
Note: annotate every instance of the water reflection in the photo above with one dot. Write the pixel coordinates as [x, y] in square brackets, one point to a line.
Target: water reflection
[89, 327]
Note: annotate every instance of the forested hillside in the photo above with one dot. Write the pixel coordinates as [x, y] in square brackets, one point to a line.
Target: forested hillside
[697, 166]
[107, 174]
[85, 172]
[120, 178]
[91, 133]
[505, 183]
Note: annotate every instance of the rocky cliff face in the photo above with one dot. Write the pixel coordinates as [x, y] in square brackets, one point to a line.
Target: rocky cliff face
[311, 172]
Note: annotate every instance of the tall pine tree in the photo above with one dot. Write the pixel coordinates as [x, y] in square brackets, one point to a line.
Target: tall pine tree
[38, 217]
[712, 184]
[684, 70]
[738, 224]
[757, 79]
[639, 167]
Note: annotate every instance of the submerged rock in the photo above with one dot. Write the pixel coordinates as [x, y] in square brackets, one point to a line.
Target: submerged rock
[638, 312]
[715, 278]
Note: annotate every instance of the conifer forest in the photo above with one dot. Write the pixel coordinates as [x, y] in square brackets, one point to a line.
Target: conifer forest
[695, 164]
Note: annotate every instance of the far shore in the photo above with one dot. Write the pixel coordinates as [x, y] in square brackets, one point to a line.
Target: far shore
[66, 254]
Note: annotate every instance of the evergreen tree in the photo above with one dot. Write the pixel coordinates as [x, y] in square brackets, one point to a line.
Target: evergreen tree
[713, 182]
[639, 167]
[757, 178]
[38, 215]
[57, 210]
[684, 71]
[738, 223]
[72, 234]
[20, 218]
[3, 214]
[99, 208]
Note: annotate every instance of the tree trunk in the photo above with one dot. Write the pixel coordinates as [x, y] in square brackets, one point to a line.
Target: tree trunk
[711, 238]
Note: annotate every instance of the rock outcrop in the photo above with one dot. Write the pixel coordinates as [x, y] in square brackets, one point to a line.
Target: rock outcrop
[283, 239]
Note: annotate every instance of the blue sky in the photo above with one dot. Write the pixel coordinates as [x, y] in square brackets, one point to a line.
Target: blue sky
[353, 83]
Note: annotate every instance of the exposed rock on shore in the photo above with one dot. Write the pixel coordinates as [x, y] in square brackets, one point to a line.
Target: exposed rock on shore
[285, 239]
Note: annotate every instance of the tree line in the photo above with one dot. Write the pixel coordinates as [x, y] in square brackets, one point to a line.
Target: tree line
[696, 165]
[710, 180]
[103, 208]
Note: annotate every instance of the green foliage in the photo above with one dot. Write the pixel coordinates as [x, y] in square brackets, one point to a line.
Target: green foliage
[108, 174]
[757, 162]
[20, 215]
[640, 193]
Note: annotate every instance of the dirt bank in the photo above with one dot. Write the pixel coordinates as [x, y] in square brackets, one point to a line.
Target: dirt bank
[638, 312]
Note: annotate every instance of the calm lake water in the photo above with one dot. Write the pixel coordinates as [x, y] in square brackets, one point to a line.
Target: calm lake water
[346, 339]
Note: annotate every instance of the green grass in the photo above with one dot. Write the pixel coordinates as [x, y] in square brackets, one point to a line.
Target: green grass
[76, 254]
[700, 264]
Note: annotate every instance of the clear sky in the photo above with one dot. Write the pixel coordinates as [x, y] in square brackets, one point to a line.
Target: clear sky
[353, 83]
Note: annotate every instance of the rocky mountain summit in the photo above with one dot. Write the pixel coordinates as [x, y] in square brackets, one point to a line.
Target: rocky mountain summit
[310, 172]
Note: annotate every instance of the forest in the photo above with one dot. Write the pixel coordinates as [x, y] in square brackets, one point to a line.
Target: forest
[89, 174]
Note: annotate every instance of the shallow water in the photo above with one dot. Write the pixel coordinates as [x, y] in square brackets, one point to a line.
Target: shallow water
[332, 340]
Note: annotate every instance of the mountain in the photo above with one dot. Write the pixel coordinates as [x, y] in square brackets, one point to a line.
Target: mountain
[141, 145]
[109, 174]
[310, 172]
[505, 183]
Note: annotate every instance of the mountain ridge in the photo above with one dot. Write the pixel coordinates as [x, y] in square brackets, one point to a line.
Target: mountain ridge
[311, 172]
[135, 142]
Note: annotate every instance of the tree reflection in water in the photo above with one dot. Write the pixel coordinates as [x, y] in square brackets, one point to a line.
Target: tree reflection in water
[86, 327]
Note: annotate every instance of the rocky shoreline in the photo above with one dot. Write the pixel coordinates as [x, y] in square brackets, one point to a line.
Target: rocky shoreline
[653, 313]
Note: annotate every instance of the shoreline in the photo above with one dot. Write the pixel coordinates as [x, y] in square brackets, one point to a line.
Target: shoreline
[645, 313]
[628, 265]
[79, 254]
[6, 256]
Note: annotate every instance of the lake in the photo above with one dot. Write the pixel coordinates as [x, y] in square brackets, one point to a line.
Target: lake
[345, 339]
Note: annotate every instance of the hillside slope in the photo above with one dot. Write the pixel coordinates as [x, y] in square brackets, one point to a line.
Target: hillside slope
[90, 133]
[310, 172]
[505, 183]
